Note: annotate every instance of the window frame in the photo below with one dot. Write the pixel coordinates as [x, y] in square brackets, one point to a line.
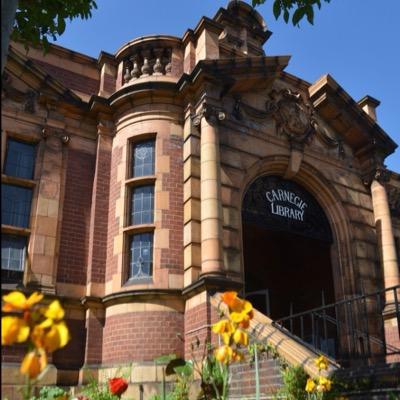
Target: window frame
[25, 183]
[129, 229]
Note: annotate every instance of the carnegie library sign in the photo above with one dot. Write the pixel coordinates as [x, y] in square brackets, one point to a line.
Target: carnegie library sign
[294, 207]
[282, 205]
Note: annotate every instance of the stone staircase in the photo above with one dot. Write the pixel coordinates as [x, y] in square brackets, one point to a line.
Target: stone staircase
[374, 382]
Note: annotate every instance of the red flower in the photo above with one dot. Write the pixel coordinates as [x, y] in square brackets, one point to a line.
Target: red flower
[117, 386]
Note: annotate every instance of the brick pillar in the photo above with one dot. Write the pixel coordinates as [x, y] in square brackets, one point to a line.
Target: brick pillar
[210, 194]
[97, 253]
[48, 214]
[94, 325]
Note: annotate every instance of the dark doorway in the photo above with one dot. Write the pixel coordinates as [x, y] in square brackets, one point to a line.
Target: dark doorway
[286, 248]
[296, 271]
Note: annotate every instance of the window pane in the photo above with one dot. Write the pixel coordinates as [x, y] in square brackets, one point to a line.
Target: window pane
[13, 252]
[20, 159]
[141, 256]
[15, 205]
[142, 208]
[143, 158]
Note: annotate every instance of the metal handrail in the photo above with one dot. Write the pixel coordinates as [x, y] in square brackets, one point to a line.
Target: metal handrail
[359, 342]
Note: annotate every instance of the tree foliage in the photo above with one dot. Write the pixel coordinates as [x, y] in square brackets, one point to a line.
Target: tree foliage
[38, 20]
[297, 9]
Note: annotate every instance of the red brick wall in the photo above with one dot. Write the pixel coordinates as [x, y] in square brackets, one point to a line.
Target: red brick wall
[70, 79]
[243, 383]
[197, 322]
[76, 218]
[13, 353]
[142, 336]
[72, 355]
[94, 342]
[172, 219]
[99, 218]
[113, 222]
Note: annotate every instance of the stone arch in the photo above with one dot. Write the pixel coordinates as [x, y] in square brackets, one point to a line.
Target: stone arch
[342, 258]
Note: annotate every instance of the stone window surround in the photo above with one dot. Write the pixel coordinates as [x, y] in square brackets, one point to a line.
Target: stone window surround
[22, 182]
[130, 230]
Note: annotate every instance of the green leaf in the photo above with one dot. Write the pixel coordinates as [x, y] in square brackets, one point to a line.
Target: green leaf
[310, 14]
[286, 15]
[298, 15]
[173, 364]
[60, 25]
[277, 9]
[184, 370]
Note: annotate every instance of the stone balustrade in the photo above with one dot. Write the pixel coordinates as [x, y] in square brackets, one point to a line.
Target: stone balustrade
[148, 62]
[151, 56]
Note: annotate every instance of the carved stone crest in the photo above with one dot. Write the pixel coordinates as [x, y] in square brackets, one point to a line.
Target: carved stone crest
[293, 116]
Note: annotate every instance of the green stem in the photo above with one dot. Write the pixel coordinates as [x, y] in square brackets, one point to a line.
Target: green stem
[257, 373]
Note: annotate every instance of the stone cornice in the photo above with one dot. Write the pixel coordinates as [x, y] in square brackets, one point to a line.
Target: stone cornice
[347, 117]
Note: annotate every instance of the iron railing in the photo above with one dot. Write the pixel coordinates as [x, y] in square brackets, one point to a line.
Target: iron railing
[348, 330]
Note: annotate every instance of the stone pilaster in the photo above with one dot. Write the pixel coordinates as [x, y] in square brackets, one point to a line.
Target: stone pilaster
[210, 191]
[48, 214]
[97, 253]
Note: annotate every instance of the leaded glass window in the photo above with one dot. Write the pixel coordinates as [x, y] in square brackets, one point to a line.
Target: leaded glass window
[143, 158]
[15, 205]
[142, 209]
[20, 159]
[13, 252]
[141, 256]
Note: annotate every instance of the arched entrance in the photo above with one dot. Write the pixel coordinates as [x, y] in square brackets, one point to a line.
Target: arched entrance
[287, 248]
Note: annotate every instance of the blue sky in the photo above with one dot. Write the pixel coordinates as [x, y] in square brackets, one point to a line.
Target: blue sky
[355, 41]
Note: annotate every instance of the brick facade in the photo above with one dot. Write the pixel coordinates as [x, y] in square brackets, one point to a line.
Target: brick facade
[141, 336]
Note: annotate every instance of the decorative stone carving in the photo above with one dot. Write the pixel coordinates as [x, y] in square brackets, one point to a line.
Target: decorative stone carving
[30, 101]
[211, 113]
[47, 132]
[294, 117]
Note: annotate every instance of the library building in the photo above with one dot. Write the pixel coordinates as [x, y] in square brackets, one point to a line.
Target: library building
[139, 185]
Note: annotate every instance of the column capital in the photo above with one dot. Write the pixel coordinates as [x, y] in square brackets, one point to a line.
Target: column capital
[213, 114]
[380, 173]
[105, 127]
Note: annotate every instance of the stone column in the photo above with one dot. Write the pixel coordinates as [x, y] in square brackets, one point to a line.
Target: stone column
[210, 193]
[383, 224]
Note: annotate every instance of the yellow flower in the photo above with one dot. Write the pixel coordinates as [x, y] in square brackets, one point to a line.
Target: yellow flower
[224, 354]
[33, 363]
[242, 312]
[321, 362]
[241, 337]
[310, 386]
[231, 300]
[324, 384]
[13, 330]
[50, 337]
[237, 356]
[16, 301]
[55, 311]
[223, 326]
